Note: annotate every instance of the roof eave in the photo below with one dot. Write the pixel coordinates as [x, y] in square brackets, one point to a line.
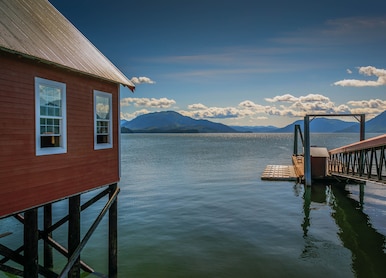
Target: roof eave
[127, 83]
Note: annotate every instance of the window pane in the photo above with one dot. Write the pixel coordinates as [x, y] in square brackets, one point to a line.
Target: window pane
[102, 107]
[102, 127]
[50, 115]
[50, 101]
[102, 120]
[49, 141]
[50, 126]
[102, 139]
[50, 111]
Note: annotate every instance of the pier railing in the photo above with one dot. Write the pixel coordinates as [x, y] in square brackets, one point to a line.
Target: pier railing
[364, 160]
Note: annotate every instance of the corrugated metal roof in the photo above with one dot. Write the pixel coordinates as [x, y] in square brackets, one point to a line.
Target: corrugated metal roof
[34, 28]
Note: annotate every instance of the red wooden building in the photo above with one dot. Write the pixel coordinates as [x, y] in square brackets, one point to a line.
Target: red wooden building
[59, 101]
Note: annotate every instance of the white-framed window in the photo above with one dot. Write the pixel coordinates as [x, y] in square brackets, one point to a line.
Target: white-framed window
[50, 117]
[103, 135]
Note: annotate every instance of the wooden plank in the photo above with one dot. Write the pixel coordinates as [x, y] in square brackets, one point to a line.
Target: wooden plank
[5, 234]
[298, 162]
[64, 252]
[9, 254]
[279, 173]
[11, 270]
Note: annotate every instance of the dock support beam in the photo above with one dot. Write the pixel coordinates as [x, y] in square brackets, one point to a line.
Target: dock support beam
[31, 237]
[48, 255]
[307, 152]
[29, 261]
[362, 127]
[297, 133]
[74, 234]
[296, 140]
[113, 234]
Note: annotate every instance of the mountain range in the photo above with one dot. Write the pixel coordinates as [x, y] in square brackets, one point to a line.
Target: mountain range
[173, 122]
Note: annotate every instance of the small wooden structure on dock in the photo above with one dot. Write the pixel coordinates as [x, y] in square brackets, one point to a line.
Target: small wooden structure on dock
[60, 134]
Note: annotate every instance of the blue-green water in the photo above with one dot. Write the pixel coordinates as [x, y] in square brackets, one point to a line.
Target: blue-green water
[193, 205]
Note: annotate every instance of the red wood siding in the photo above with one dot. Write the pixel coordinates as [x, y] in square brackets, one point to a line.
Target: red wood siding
[27, 180]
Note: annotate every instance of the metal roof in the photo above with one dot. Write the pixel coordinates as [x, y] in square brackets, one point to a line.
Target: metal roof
[36, 29]
[319, 152]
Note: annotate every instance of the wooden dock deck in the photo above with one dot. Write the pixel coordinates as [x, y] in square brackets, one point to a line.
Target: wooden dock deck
[279, 173]
[293, 172]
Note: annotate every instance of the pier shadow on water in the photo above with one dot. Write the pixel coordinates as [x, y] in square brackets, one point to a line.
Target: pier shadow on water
[356, 232]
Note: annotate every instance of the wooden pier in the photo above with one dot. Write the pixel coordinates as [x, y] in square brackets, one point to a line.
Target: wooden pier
[359, 162]
[363, 161]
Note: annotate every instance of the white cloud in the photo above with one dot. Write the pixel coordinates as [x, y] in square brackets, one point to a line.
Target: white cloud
[286, 98]
[372, 103]
[291, 107]
[142, 80]
[130, 116]
[285, 105]
[302, 99]
[148, 102]
[197, 106]
[215, 113]
[244, 109]
[250, 105]
[356, 83]
[320, 104]
[349, 71]
[371, 107]
[300, 106]
[314, 98]
[367, 71]
[261, 118]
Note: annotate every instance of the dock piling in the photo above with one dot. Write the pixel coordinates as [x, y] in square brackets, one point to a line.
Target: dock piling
[307, 152]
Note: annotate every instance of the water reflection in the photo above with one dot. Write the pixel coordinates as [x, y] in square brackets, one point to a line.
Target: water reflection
[356, 232]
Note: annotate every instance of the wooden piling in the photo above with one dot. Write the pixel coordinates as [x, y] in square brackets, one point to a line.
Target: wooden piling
[74, 234]
[113, 234]
[48, 256]
[31, 238]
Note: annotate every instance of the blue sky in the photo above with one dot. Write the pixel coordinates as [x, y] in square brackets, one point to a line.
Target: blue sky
[242, 62]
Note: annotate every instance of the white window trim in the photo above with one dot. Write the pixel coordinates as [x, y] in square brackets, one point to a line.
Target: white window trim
[63, 145]
[103, 145]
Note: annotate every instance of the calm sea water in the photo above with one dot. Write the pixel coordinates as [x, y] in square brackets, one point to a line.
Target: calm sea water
[193, 205]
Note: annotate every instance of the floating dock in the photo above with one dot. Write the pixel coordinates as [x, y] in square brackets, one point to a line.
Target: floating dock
[279, 173]
[293, 172]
